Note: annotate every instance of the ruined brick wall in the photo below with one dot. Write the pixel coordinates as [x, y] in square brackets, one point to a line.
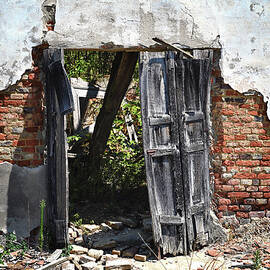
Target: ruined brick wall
[21, 119]
[240, 152]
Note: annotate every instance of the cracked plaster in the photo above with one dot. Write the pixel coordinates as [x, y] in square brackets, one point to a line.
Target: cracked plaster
[243, 28]
[21, 29]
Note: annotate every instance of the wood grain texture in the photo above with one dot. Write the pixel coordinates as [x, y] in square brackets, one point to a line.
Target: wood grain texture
[174, 95]
[162, 158]
[57, 143]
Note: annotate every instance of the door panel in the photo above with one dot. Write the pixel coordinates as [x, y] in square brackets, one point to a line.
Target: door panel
[173, 96]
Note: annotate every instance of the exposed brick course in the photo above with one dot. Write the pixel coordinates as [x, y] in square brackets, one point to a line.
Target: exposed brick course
[240, 152]
[21, 119]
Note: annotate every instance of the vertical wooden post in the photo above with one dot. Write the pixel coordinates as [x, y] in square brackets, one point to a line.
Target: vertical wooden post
[57, 85]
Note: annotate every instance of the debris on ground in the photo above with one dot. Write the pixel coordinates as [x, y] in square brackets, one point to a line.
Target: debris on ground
[116, 245]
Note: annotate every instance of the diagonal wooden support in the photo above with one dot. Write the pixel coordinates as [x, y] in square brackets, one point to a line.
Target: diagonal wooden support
[121, 76]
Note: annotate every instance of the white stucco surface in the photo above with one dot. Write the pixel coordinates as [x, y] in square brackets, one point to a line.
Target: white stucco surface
[240, 27]
[21, 29]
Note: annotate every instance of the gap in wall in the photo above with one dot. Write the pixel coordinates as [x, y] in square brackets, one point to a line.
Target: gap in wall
[121, 188]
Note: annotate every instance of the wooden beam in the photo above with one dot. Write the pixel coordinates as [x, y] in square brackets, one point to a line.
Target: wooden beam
[121, 76]
[57, 144]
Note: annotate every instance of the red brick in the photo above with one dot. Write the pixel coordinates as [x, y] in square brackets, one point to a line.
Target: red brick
[239, 188]
[245, 175]
[228, 163]
[263, 137]
[242, 214]
[232, 93]
[32, 142]
[37, 162]
[253, 214]
[4, 110]
[224, 201]
[233, 208]
[15, 143]
[265, 182]
[253, 113]
[266, 157]
[227, 188]
[246, 119]
[265, 163]
[21, 143]
[252, 188]
[264, 188]
[256, 194]
[228, 137]
[238, 194]
[31, 76]
[248, 162]
[29, 149]
[227, 112]
[31, 129]
[2, 136]
[222, 207]
[263, 176]
[234, 182]
[240, 137]
[256, 144]
[266, 143]
[23, 163]
[227, 150]
[217, 99]
[266, 195]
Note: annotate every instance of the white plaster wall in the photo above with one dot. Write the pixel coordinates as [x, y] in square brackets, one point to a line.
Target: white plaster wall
[21, 29]
[243, 27]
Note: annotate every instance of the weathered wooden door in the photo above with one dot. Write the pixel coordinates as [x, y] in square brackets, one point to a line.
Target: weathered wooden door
[173, 100]
[59, 101]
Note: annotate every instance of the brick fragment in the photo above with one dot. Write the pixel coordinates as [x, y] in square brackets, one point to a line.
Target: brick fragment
[224, 201]
[242, 214]
[238, 194]
[256, 194]
[259, 214]
[261, 201]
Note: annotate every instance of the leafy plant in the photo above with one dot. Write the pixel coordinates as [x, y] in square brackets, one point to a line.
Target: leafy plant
[257, 260]
[66, 251]
[87, 65]
[122, 165]
[41, 237]
[77, 220]
[12, 244]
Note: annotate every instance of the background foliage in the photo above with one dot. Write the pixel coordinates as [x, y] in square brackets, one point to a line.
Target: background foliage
[122, 166]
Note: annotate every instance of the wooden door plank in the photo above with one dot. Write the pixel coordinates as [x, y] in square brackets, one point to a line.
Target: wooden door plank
[57, 106]
[192, 84]
[162, 158]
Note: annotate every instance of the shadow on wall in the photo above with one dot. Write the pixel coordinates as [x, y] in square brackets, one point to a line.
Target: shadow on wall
[22, 144]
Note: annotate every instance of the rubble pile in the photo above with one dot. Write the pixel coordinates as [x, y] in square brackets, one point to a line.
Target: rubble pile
[248, 244]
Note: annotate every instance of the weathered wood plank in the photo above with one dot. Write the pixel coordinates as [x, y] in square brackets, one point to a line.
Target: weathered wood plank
[160, 134]
[192, 83]
[166, 219]
[57, 106]
[160, 120]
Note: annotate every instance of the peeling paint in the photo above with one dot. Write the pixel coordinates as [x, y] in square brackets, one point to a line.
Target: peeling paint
[21, 29]
[241, 28]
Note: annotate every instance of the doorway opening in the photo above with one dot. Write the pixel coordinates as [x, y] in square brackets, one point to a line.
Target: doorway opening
[118, 191]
